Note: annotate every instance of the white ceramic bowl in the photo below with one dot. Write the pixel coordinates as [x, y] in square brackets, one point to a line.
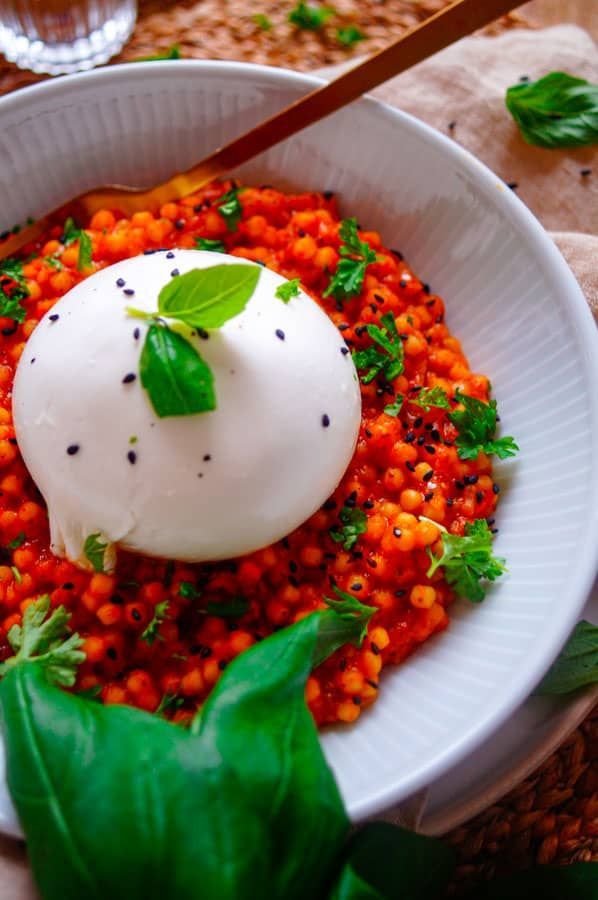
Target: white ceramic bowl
[511, 300]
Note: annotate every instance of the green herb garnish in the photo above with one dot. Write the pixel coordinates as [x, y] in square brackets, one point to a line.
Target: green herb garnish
[309, 17]
[288, 289]
[92, 693]
[169, 703]
[357, 255]
[429, 397]
[45, 640]
[393, 409]
[173, 52]
[151, 633]
[555, 111]
[178, 380]
[468, 560]
[16, 575]
[73, 233]
[188, 590]
[209, 244]
[17, 542]
[262, 21]
[476, 424]
[10, 305]
[94, 549]
[229, 208]
[385, 356]
[352, 610]
[349, 36]
[577, 664]
[353, 523]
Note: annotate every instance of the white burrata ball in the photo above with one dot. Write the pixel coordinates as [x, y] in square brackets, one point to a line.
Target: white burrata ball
[198, 487]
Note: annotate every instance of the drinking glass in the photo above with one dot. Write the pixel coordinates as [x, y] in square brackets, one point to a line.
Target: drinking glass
[61, 36]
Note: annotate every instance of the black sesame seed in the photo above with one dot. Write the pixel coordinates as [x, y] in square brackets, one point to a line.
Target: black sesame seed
[293, 566]
[369, 504]
[428, 475]
[585, 173]
[54, 317]
[207, 457]
[111, 653]
[397, 253]
[402, 283]
[279, 334]
[372, 563]
[420, 440]
[417, 423]
[11, 330]
[4, 235]
[293, 581]
[329, 504]
[360, 330]
[132, 457]
[513, 185]
[410, 466]
[357, 701]
[148, 252]
[136, 615]
[342, 664]
[459, 485]
[371, 683]
[137, 334]
[452, 125]
[129, 377]
[397, 532]
[471, 479]
[344, 350]
[435, 434]
[351, 499]
[170, 255]
[129, 292]
[428, 496]
[449, 501]
[479, 496]
[357, 586]
[495, 489]
[328, 195]
[409, 437]
[222, 664]
[120, 282]
[494, 531]
[72, 449]
[179, 224]
[174, 273]
[375, 648]
[205, 652]
[400, 593]
[32, 360]
[325, 420]
[367, 433]
[524, 78]
[68, 586]
[343, 327]
[426, 290]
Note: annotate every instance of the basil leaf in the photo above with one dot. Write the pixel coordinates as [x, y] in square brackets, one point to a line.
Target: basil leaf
[383, 862]
[555, 111]
[575, 882]
[577, 664]
[178, 381]
[230, 209]
[84, 259]
[207, 298]
[252, 763]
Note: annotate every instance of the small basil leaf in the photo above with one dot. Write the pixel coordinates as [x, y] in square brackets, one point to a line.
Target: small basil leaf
[178, 381]
[383, 862]
[577, 664]
[207, 298]
[555, 111]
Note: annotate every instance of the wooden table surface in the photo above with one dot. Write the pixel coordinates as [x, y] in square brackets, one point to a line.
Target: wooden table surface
[554, 12]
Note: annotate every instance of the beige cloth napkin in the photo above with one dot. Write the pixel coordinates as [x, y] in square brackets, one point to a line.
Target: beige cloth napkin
[465, 85]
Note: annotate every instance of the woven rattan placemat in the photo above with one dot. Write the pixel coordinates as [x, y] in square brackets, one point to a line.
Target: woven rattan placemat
[553, 815]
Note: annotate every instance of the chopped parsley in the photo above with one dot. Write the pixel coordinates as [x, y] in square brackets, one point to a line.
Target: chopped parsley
[347, 281]
[13, 289]
[16, 575]
[393, 409]
[173, 52]
[287, 290]
[151, 633]
[73, 233]
[188, 590]
[230, 209]
[476, 424]
[17, 542]
[385, 356]
[429, 397]
[95, 550]
[349, 36]
[468, 561]
[309, 17]
[353, 523]
[169, 703]
[234, 609]
[209, 244]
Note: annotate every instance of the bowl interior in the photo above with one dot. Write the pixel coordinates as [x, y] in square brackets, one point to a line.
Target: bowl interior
[510, 298]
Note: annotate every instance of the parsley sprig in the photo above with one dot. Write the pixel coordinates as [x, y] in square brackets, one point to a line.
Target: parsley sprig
[385, 356]
[429, 397]
[357, 255]
[468, 561]
[349, 36]
[288, 289]
[229, 208]
[349, 608]
[46, 640]
[558, 110]
[13, 289]
[476, 424]
[309, 17]
[353, 523]
[94, 549]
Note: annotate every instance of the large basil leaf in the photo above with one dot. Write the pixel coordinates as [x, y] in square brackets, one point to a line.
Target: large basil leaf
[207, 298]
[178, 381]
[555, 111]
[577, 664]
[383, 862]
[115, 802]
